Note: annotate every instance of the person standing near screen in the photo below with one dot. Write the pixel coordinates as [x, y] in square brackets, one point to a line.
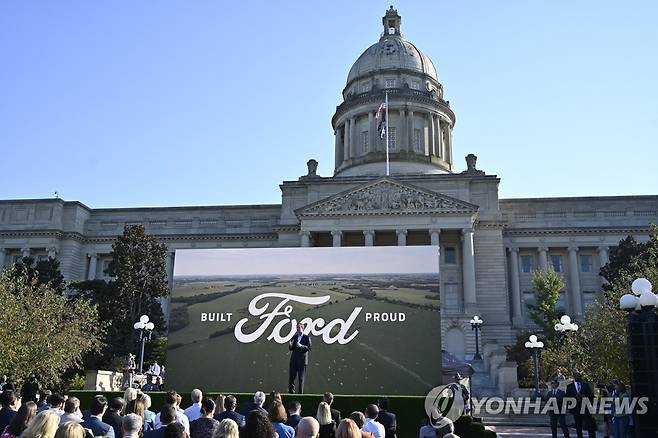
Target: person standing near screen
[299, 345]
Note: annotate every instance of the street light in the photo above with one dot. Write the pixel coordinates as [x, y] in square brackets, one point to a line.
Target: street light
[566, 326]
[642, 337]
[145, 329]
[535, 346]
[476, 324]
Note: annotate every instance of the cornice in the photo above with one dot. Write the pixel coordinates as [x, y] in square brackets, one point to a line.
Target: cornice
[576, 230]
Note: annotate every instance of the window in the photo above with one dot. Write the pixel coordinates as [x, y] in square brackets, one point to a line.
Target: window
[391, 138]
[561, 303]
[588, 298]
[450, 255]
[556, 262]
[585, 263]
[453, 297]
[364, 142]
[417, 142]
[365, 88]
[389, 83]
[528, 298]
[104, 267]
[527, 263]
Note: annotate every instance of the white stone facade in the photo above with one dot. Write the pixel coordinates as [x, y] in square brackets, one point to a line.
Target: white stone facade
[488, 246]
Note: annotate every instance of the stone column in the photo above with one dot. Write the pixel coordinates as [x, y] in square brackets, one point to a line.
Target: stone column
[543, 257]
[402, 237]
[170, 267]
[439, 138]
[468, 268]
[346, 140]
[52, 252]
[435, 240]
[373, 135]
[339, 147]
[25, 252]
[448, 155]
[306, 238]
[93, 260]
[517, 318]
[371, 144]
[410, 129]
[337, 237]
[3, 257]
[369, 237]
[429, 148]
[603, 260]
[574, 281]
[353, 137]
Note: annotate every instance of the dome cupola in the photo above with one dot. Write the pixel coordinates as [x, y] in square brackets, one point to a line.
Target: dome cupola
[420, 121]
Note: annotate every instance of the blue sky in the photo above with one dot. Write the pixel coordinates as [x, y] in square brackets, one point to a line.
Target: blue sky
[127, 103]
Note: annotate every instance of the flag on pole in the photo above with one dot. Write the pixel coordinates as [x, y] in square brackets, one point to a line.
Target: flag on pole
[380, 115]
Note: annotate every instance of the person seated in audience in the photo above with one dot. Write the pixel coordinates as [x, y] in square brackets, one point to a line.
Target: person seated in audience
[228, 429]
[44, 400]
[149, 416]
[308, 427]
[387, 419]
[360, 420]
[327, 425]
[10, 404]
[44, 425]
[57, 403]
[95, 422]
[258, 425]
[167, 416]
[294, 411]
[278, 417]
[70, 429]
[348, 429]
[205, 426]
[132, 425]
[175, 430]
[219, 404]
[274, 397]
[71, 411]
[113, 415]
[371, 424]
[256, 405]
[194, 411]
[335, 413]
[230, 403]
[171, 398]
[19, 423]
[436, 428]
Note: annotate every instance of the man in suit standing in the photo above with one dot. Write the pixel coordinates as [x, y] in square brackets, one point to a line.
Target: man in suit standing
[299, 345]
[294, 411]
[95, 422]
[113, 415]
[580, 390]
[555, 413]
[388, 419]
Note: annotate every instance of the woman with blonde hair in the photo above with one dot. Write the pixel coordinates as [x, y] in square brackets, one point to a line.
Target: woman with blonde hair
[219, 404]
[44, 425]
[70, 429]
[348, 429]
[129, 395]
[327, 425]
[228, 429]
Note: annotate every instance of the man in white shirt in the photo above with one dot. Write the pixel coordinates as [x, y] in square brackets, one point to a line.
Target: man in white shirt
[371, 425]
[171, 398]
[154, 369]
[194, 411]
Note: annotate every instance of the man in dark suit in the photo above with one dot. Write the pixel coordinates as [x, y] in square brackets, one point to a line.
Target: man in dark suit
[256, 405]
[230, 403]
[8, 400]
[95, 421]
[388, 419]
[113, 415]
[167, 417]
[556, 414]
[294, 411]
[299, 345]
[580, 390]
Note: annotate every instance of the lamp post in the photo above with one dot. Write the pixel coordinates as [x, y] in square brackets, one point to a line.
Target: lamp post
[476, 324]
[642, 336]
[145, 329]
[566, 326]
[535, 347]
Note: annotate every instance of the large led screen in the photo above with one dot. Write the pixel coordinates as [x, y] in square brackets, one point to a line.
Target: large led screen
[350, 320]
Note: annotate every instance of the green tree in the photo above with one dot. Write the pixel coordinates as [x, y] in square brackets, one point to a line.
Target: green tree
[43, 272]
[42, 331]
[544, 313]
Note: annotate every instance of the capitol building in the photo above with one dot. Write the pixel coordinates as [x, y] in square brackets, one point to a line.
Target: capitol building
[489, 246]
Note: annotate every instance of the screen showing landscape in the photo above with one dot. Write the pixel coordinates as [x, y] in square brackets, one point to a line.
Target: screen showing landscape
[371, 320]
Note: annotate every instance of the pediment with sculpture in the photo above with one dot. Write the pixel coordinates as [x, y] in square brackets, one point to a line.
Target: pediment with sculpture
[386, 196]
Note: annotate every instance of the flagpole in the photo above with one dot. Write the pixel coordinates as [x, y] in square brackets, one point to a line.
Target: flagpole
[388, 165]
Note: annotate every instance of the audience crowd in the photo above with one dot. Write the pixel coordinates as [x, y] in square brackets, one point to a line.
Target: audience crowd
[49, 415]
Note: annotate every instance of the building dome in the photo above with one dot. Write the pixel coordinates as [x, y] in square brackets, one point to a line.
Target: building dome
[392, 53]
[419, 122]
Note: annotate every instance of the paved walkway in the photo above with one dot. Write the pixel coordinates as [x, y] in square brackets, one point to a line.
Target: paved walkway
[531, 432]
